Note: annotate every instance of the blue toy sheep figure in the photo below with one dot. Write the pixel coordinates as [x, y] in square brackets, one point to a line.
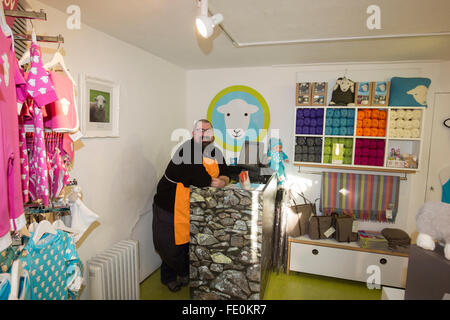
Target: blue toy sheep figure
[276, 158]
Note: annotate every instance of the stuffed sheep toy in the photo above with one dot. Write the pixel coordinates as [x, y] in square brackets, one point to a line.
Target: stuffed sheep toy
[343, 93]
[433, 223]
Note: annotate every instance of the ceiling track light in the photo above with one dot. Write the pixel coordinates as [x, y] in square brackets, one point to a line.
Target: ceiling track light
[205, 25]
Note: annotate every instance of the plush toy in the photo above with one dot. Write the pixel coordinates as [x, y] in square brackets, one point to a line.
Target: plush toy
[276, 158]
[433, 223]
[343, 92]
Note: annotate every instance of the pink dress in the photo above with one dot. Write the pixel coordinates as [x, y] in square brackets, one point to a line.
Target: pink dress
[62, 114]
[11, 202]
[21, 92]
[41, 90]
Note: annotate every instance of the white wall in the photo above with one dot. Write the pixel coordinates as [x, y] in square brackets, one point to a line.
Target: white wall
[119, 175]
[277, 85]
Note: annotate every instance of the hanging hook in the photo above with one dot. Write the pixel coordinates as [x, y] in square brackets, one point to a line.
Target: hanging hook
[447, 123]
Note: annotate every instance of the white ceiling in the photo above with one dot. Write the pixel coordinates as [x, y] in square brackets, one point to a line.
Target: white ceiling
[166, 28]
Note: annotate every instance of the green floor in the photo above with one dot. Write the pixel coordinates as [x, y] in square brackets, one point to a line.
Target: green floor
[295, 286]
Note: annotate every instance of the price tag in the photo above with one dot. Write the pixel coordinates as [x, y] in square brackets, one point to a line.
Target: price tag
[329, 232]
[355, 226]
[76, 136]
[389, 214]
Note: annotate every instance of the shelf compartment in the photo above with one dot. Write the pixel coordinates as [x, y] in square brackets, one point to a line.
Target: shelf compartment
[340, 122]
[338, 150]
[309, 121]
[403, 154]
[405, 123]
[308, 149]
[369, 152]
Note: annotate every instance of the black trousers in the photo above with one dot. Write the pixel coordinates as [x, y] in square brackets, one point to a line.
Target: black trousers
[175, 258]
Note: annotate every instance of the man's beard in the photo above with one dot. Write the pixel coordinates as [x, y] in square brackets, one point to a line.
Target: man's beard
[206, 143]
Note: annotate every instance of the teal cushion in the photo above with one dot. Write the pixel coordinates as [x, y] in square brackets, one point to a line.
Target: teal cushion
[409, 92]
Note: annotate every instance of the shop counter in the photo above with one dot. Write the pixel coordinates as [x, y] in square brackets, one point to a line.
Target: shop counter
[231, 241]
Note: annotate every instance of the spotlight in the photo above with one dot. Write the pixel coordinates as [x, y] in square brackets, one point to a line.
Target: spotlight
[205, 25]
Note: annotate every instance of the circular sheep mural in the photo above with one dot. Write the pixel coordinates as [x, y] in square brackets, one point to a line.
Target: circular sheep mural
[238, 113]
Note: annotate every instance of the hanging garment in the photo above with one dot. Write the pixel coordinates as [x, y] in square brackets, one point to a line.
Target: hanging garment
[446, 192]
[62, 114]
[181, 209]
[5, 286]
[58, 173]
[11, 202]
[82, 218]
[41, 89]
[367, 197]
[51, 263]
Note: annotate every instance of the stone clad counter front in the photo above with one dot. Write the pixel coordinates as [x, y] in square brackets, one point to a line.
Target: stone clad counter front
[225, 243]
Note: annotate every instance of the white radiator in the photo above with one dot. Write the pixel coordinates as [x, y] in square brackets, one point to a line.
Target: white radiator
[114, 273]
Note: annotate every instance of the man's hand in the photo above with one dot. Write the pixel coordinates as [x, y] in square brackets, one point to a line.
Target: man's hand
[220, 182]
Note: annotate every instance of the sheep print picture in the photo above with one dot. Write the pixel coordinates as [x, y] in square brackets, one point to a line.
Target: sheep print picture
[99, 106]
[238, 113]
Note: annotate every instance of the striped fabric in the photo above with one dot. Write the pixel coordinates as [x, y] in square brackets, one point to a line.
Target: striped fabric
[366, 197]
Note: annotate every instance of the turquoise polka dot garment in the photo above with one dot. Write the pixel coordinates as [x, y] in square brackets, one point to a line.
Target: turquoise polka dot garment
[48, 263]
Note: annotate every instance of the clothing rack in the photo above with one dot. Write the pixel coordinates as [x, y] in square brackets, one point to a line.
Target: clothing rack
[27, 37]
[41, 15]
[404, 178]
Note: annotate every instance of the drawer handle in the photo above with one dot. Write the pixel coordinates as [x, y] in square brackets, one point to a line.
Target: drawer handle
[315, 252]
[383, 261]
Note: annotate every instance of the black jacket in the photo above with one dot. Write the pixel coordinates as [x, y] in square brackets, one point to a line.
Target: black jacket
[186, 167]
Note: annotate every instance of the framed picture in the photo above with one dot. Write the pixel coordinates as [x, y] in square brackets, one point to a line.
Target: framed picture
[380, 93]
[99, 107]
[319, 93]
[363, 94]
[303, 94]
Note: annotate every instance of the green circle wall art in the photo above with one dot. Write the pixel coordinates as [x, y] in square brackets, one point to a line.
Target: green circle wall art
[238, 113]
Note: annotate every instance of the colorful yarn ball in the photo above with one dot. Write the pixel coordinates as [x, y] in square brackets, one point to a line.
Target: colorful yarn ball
[360, 115]
[415, 124]
[366, 132]
[417, 115]
[367, 123]
[415, 133]
[375, 114]
[381, 124]
[373, 132]
[382, 115]
[381, 132]
[408, 115]
[401, 123]
[401, 113]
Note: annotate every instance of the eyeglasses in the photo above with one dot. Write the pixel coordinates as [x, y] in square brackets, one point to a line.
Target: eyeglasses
[209, 130]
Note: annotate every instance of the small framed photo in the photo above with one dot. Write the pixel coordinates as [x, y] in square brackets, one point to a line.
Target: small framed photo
[303, 94]
[99, 107]
[380, 93]
[319, 93]
[363, 94]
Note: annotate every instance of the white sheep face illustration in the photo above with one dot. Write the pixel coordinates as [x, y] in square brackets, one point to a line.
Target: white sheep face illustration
[419, 94]
[237, 114]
